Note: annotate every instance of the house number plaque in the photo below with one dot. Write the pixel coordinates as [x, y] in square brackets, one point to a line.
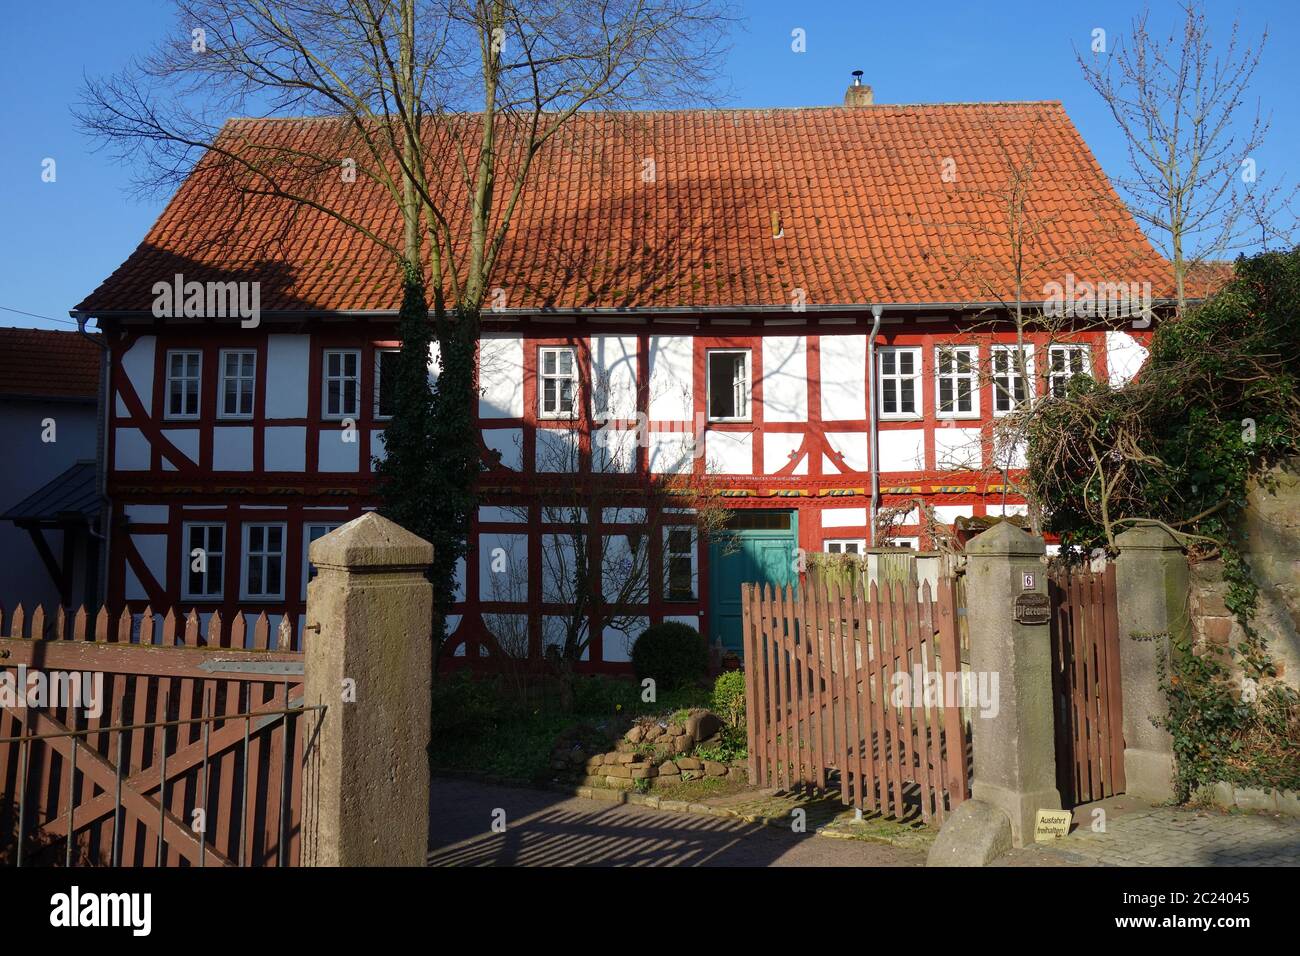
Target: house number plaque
[1032, 608]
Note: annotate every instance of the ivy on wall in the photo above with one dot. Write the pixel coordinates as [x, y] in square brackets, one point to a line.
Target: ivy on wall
[1214, 408]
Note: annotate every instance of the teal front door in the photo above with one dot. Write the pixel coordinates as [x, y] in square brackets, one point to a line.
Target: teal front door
[759, 548]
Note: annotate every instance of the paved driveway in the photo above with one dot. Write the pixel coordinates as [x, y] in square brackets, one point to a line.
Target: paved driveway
[548, 829]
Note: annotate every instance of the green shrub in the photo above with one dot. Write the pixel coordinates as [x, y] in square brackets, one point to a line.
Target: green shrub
[729, 697]
[671, 654]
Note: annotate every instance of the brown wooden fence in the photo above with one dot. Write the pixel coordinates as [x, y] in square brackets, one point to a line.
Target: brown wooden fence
[820, 669]
[1086, 685]
[188, 720]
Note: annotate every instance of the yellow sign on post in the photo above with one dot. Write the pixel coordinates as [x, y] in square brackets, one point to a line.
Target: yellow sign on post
[1051, 825]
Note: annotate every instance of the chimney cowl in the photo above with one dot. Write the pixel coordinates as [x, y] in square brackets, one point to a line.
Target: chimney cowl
[858, 94]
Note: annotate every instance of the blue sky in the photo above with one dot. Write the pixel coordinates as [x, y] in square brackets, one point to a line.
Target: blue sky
[61, 239]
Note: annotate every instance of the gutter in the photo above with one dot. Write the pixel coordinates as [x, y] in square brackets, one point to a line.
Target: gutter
[104, 401]
[874, 445]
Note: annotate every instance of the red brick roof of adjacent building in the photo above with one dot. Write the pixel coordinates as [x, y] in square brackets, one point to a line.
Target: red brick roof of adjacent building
[876, 204]
[48, 364]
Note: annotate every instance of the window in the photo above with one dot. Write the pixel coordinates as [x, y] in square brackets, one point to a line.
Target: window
[729, 386]
[900, 372]
[957, 369]
[1065, 362]
[385, 382]
[263, 569]
[183, 372]
[238, 372]
[845, 546]
[559, 378]
[679, 564]
[309, 534]
[342, 384]
[204, 570]
[1008, 385]
[911, 543]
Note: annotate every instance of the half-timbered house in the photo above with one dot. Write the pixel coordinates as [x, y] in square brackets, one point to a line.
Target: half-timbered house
[793, 287]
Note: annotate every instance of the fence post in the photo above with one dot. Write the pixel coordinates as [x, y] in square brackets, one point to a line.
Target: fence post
[1151, 590]
[1013, 735]
[366, 782]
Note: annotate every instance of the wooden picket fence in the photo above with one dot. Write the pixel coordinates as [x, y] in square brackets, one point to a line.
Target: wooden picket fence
[189, 720]
[1086, 685]
[820, 666]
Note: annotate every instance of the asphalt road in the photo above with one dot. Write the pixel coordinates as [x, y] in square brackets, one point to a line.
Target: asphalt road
[549, 829]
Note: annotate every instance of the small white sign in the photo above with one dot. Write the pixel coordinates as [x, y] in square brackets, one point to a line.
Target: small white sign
[1027, 580]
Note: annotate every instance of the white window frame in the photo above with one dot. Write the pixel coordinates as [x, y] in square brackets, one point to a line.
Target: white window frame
[895, 381]
[695, 565]
[379, 381]
[742, 390]
[841, 546]
[197, 378]
[245, 554]
[240, 379]
[326, 378]
[187, 556]
[1066, 349]
[306, 546]
[913, 543]
[994, 375]
[971, 376]
[543, 377]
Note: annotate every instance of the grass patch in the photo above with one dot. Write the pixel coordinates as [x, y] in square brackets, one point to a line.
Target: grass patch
[696, 791]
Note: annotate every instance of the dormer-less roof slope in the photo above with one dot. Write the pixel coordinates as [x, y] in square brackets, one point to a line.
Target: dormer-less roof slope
[43, 363]
[646, 211]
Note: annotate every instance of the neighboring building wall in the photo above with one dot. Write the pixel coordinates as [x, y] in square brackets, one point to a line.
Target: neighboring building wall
[29, 463]
[802, 448]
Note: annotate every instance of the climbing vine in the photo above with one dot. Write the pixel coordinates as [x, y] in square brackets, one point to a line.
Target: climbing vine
[1216, 405]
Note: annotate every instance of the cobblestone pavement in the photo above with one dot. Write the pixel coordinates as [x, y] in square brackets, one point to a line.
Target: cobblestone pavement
[550, 829]
[1137, 834]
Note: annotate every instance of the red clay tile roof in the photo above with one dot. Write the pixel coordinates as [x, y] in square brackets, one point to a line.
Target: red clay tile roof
[48, 364]
[890, 204]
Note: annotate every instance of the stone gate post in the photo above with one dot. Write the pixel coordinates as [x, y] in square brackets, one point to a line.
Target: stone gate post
[1014, 746]
[367, 657]
[1151, 589]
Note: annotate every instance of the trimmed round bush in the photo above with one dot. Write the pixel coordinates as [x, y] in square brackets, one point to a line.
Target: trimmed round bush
[671, 654]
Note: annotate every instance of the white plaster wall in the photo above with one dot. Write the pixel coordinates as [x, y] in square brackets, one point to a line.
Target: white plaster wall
[958, 449]
[337, 455]
[844, 517]
[844, 377]
[501, 375]
[152, 549]
[785, 378]
[507, 441]
[671, 381]
[232, 448]
[285, 448]
[613, 376]
[556, 450]
[138, 364]
[777, 448]
[853, 446]
[288, 372]
[131, 450]
[613, 450]
[146, 514]
[1124, 356]
[617, 644]
[730, 453]
[902, 449]
[671, 452]
[186, 441]
[950, 513]
[509, 581]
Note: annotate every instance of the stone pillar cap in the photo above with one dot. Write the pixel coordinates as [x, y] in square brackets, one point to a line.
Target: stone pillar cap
[371, 541]
[1005, 539]
[1147, 537]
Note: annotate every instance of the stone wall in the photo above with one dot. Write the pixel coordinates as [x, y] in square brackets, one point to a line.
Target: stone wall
[1271, 545]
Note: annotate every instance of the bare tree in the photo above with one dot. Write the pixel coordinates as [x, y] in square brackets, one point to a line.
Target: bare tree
[443, 106]
[1193, 142]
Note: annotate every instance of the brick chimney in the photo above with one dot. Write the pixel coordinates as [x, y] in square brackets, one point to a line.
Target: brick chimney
[857, 94]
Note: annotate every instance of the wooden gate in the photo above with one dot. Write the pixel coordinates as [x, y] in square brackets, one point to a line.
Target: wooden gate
[1086, 685]
[822, 671]
[186, 722]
